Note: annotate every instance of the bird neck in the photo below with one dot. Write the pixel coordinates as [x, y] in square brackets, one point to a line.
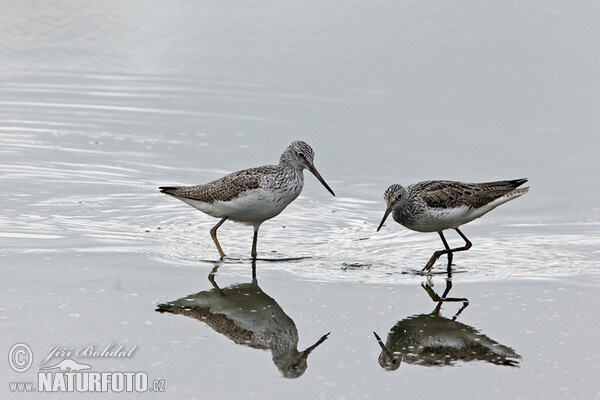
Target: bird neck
[287, 163]
[403, 210]
[288, 167]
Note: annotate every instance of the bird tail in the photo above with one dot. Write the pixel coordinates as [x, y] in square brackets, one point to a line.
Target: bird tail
[163, 308]
[519, 192]
[504, 188]
[517, 182]
[176, 191]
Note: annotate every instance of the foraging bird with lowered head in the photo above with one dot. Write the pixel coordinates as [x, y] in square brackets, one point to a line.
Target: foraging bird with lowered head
[434, 206]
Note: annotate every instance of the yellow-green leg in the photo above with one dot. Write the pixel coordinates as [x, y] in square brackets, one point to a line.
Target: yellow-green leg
[448, 251]
[213, 234]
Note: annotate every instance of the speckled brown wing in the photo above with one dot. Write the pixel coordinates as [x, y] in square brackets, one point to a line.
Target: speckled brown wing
[223, 189]
[219, 322]
[450, 194]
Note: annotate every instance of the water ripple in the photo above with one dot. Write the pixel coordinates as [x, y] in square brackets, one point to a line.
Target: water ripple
[81, 182]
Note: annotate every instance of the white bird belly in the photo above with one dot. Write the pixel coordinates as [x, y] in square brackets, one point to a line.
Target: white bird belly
[256, 205]
[438, 219]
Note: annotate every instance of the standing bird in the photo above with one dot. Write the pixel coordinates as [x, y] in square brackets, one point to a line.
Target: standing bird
[253, 195]
[432, 340]
[433, 206]
[248, 316]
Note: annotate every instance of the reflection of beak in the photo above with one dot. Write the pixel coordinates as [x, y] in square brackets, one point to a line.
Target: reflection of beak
[387, 212]
[306, 352]
[320, 178]
[383, 346]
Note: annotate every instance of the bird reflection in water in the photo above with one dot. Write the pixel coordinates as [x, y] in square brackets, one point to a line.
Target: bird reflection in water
[248, 316]
[433, 340]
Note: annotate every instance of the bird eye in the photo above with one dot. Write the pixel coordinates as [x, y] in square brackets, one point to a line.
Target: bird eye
[301, 154]
[294, 367]
[399, 196]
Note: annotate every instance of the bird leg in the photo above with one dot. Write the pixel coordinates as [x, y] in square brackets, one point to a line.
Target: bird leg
[254, 270]
[448, 250]
[211, 278]
[213, 234]
[468, 243]
[449, 268]
[254, 240]
[465, 305]
[440, 300]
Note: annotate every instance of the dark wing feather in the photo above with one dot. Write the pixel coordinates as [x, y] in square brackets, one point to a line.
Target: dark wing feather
[223, 189]
[450, 194]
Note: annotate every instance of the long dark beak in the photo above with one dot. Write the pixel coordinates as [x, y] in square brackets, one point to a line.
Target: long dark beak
[387, 212]
[308, 350]
[320, 178]
[383, 346]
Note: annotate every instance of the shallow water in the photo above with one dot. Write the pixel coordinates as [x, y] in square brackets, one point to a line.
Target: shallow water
[100, 105]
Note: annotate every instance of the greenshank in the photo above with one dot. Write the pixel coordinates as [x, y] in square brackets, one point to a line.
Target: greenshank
[253, 195]
[432, 340]
[433, 206]
[249, 317]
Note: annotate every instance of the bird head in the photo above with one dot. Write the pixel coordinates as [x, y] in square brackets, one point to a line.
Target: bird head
[388, 359]
[296, 362]
[300, 155]
[393, 195]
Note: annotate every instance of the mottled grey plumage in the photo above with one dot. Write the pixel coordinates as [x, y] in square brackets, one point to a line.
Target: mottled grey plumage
[228, 187]
[433, 340]
[288, 173]
[249, 317]
[452, 194]
[253, 195]
[433, 206]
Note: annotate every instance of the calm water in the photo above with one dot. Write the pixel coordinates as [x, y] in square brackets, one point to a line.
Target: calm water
[100, 104]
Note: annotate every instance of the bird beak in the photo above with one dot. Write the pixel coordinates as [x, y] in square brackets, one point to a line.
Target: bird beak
[306, 352]
[387, 212]
[383, 346]
[320, 178]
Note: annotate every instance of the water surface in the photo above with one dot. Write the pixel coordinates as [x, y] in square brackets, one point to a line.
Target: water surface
[100, 105]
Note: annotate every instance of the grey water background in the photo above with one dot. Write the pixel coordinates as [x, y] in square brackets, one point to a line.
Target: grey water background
[102, 102]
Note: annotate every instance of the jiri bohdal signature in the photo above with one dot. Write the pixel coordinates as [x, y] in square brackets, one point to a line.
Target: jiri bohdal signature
[91, 351]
